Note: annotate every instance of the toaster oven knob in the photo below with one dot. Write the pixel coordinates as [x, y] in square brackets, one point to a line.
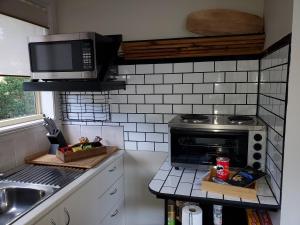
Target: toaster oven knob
[257, 137]
[256, 165]
[257, 147]
[257, 156]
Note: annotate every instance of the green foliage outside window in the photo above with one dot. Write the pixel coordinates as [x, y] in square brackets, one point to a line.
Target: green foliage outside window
[14, 102]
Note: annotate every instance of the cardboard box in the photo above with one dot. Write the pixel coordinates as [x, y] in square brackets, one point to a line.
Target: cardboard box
[208, 185]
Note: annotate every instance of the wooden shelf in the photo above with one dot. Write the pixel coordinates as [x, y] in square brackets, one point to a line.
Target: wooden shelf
[237, 45]
[70, 85]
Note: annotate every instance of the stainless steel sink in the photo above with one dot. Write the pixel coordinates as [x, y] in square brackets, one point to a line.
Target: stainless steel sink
[18, 198]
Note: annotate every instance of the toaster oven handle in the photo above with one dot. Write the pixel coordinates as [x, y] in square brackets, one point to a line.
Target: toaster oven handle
[206, 163]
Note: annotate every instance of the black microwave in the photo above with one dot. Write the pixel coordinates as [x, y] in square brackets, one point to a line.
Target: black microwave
[73, 56]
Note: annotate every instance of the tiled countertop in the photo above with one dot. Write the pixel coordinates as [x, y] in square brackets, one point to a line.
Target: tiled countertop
[184, 184]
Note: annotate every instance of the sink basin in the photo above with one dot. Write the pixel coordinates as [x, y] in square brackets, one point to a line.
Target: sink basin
[18, 198]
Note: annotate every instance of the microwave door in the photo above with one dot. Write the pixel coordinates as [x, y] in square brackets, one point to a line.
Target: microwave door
[62, 59]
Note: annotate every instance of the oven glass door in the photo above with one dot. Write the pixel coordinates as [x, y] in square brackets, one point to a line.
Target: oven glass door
[62, 56]
[202, 147]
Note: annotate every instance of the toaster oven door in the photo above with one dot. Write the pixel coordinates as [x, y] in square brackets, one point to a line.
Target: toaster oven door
[202, 147]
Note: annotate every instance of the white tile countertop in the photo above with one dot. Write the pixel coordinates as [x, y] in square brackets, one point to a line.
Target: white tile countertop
[49, 204]
[185, 184]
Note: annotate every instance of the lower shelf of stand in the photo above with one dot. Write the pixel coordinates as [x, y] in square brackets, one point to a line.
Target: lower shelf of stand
[184, 184]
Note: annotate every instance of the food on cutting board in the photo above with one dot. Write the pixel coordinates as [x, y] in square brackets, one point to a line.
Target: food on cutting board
[83, 145]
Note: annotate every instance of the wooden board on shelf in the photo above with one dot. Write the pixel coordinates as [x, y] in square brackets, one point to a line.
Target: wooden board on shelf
[223, 22]
[194, 47]
[87, 163]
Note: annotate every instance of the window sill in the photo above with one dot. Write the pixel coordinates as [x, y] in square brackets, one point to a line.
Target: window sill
[21, 126]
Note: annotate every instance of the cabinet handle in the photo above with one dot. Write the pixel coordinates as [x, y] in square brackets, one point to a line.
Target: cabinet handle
[115, 213]
[114, 191]
[113, 169]
[52, 222]
[68, 216]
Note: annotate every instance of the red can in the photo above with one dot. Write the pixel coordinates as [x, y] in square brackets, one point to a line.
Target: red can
[223, 168]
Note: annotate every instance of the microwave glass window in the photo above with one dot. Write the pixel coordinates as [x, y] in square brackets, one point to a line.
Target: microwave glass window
[56, 56]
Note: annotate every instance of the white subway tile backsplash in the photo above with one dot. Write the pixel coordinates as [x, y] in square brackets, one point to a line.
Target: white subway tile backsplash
[144, 68]
[173, 99]
[118, 117]
[130, 145]
[126, 69]
[154, 79]
[130, 89]
[172, 78]
[182, 109]
[252, 76]
[135, 79]
[136, 136]
[127, 108]
[224, 109]
[166, 137]
[204, 67]
[213, 77]
[136, 99]
[236, 77]
[145, 146]
[247, 65]
[192, 99]
[163, 68]
[251, 98]
[247, 88]
[225, 88]
[168, 117]
[144, 89]
[161, 147]
[163, 108]
[163, 128]
[145, 127]
[113, 136]
[203, 88]
[145, 108]
[154, 118]
[183, 67]
[193, 78]
[154, 137]
[225, 66]
[163, 89]
[235, 99]
[139, 118]
[202, 109]
[213, 99]
[245, 109]
[154, 99]
[183, 88]
[129, 126]
[114, 108]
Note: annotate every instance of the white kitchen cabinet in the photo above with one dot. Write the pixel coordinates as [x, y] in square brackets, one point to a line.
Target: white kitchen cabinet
[93, 201]
[51, 218]
[115, 216]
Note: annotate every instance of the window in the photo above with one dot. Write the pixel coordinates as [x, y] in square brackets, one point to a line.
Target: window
[16, 105]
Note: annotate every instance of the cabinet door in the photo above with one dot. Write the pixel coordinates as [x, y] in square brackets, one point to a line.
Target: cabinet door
[115, 216]
[76, 210]
[51, 218]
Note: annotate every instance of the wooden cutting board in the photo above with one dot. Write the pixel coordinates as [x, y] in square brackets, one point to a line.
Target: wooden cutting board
[214, 22]
[87, 163]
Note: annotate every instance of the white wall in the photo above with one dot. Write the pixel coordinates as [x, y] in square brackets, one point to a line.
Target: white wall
[291, 183]
[278, 20]
[140, 19]
[16, 145]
